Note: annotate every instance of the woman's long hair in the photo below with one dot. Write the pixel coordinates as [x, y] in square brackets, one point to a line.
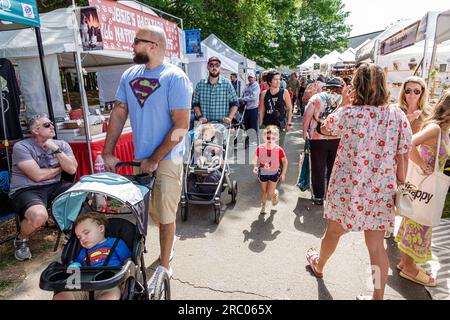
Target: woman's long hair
[441, 113]
[369, 82]
[423, 101]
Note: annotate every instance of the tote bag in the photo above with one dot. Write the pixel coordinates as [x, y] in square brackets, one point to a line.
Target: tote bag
[429, 197]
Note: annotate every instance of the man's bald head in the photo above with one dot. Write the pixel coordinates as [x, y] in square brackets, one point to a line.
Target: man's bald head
[156, 34]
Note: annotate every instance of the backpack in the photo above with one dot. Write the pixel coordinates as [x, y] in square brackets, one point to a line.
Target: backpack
[310, 90]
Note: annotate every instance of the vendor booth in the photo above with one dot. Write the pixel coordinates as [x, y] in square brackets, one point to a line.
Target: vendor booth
[85, 131]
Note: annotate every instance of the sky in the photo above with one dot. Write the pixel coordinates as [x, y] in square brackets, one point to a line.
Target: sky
[369, 16]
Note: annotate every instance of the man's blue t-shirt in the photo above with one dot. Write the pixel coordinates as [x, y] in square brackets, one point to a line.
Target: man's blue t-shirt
[100, 252]
[151, 94]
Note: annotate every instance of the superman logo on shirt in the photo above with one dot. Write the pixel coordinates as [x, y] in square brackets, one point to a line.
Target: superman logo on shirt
[143, 88]
[99, 255]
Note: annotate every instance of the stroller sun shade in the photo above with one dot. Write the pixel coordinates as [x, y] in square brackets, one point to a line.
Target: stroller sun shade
[67, 205]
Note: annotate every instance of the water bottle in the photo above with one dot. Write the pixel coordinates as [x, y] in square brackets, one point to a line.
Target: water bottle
[99, 199]
[99, 164]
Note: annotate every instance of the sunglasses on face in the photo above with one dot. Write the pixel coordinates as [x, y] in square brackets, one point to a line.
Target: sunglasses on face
[214, 65]
[137, 40]
[416, 91]
[48, 124]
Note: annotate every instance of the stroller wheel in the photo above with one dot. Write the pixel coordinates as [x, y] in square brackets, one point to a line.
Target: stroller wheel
[162, 288]
[234, 192]
[217, 211]
[184, 212]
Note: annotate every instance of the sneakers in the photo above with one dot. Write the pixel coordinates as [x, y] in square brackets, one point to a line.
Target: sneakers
[275, 199]
[22, 250]
[155, 276]
[318, 201]
[263, 208]
[387, 235]
[171, 250]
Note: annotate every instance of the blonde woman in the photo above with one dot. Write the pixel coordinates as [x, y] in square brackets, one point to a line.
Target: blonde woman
[363, 182]
[413, 100]
[414, 239]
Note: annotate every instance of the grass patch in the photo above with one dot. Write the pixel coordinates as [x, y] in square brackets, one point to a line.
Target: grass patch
[5, 284]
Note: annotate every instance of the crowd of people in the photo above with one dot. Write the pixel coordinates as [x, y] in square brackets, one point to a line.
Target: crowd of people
[359, 143]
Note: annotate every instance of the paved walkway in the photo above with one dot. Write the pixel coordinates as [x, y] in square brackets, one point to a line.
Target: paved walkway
[250, 256]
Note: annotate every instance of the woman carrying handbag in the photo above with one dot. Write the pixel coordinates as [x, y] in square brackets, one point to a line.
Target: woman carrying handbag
[414, 239]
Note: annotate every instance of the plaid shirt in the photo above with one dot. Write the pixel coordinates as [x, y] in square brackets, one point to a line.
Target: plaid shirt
[215, 101]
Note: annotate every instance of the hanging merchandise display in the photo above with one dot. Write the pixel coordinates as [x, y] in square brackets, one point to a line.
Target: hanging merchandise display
[10, 102]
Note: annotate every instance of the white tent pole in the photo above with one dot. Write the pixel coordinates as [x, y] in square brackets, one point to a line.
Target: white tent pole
[82, 90]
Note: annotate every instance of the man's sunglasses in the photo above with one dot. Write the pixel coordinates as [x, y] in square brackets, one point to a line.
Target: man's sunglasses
[137, 40]
[214, 65]
[48, 124]
[416, 91]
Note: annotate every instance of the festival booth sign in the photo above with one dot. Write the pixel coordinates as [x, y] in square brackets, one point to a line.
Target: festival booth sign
[119, 24]
[402, 39]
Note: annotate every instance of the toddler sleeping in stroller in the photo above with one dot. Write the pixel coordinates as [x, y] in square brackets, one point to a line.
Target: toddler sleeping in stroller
[97, 251]
[207, 149]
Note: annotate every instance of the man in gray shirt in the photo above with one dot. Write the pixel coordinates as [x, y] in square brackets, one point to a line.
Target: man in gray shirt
[37, 163]
[251, 100]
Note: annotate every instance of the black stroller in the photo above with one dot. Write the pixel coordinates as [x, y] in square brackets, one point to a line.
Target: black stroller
[125, 202]
[205, 181]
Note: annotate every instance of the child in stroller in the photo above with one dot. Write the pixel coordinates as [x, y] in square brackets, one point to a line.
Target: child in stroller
[98, 251]
[207, 149]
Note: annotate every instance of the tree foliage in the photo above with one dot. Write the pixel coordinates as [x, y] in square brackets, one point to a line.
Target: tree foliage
[267, 31]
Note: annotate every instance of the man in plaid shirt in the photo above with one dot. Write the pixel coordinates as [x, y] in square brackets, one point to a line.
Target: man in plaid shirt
[215, 98]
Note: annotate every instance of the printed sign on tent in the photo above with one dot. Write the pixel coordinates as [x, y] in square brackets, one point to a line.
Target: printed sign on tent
[193, 41]
[91, 36]
[119, 24]
[400, 40]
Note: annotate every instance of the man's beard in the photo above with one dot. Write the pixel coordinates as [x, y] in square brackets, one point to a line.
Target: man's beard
[140, 58]
[212, 75]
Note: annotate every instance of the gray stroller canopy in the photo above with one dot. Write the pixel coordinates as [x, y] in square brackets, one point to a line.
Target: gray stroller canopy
[67, 206]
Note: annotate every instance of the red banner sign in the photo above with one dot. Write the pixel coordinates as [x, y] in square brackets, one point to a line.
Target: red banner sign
[119, 24]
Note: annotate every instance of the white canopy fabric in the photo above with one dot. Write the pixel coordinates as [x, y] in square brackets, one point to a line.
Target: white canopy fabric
[331, 58]
[443, 27]
[348, 56]
[310, 62]
[218, 45]
[367, 51]
[197, 67]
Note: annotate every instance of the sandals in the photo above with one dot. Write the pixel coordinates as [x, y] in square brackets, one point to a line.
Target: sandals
[311, 257]
[421, 278]
[363, 297]
[419, 268]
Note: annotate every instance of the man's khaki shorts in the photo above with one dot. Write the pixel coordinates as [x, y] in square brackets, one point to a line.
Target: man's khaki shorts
[166, 192]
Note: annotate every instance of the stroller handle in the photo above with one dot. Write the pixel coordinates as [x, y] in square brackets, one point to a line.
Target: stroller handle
[145, 179]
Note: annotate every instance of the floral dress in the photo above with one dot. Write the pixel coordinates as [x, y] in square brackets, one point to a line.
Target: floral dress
[363, 182]
[413, 238]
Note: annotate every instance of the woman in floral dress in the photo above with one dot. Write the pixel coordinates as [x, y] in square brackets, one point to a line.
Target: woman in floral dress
[364, 180]
[414, 239]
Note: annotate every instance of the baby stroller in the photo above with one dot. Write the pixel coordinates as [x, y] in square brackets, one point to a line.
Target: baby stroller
[125, 202]
[207, 172]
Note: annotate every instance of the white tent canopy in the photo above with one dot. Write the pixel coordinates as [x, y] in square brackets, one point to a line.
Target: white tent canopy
[58, 41]
[348, 56]
[331, 58]
[310, 62]
[197, 67]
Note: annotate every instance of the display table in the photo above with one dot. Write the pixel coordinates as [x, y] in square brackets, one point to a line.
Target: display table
[124, 151]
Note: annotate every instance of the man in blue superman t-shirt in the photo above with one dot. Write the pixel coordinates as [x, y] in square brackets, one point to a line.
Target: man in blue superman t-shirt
[157, 97]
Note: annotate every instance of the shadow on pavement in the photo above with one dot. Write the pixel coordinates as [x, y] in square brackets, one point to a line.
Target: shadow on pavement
[309, 218]
[261, 231]
[199, 223]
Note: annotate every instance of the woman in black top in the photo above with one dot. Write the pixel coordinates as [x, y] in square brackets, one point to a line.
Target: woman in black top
[276, 106]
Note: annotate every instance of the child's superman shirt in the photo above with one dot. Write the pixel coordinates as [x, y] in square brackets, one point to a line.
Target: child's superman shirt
[100, 252]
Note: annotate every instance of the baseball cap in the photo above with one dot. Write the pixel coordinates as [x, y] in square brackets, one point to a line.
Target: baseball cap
[251, 73]
[214, 59]
[322, 79]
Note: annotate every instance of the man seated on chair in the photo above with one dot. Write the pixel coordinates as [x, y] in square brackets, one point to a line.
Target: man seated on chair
[37, 164]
